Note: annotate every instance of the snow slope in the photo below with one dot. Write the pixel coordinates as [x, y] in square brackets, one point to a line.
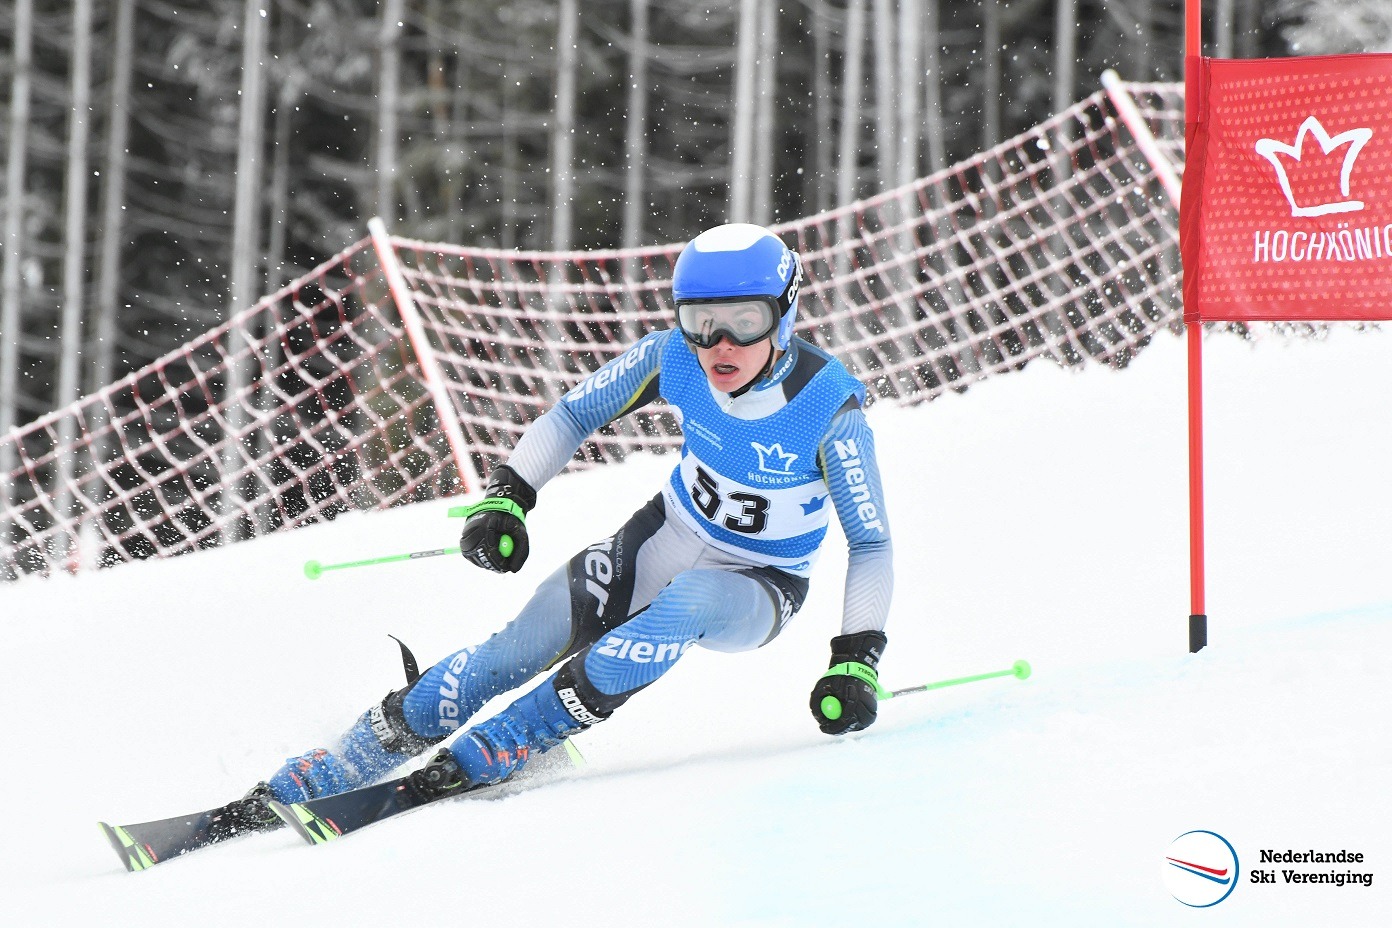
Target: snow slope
[1040, 515]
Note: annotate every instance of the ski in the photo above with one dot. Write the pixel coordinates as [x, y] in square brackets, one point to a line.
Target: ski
[141, 846]
[319, 821]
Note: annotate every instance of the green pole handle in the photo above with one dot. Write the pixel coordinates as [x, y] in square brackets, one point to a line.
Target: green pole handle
[492, 504]
[1020, 670]
[314, 570]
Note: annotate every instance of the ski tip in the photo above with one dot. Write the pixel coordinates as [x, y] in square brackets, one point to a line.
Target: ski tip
[312, 828]
[133, 854]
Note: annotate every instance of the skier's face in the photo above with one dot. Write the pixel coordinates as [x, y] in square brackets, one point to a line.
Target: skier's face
[729, 366]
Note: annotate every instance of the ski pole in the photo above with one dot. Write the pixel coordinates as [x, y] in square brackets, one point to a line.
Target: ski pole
[1020, 670]
[832, 708]
[314, 570]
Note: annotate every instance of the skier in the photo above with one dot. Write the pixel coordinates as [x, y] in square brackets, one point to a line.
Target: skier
[774, 438]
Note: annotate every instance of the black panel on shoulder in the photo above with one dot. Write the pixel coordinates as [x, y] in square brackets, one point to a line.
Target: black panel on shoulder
[809, 361]
[852, 402]
[643, 397]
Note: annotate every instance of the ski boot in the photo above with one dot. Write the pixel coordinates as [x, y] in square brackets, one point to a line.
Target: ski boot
[495, 750]
[313, 774]
[379, 741]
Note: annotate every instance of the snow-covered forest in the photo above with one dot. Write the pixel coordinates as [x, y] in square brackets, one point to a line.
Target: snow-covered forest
[167, 161]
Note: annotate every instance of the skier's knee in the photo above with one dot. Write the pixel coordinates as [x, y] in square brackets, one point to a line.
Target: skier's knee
[728, 610]
[696, 590]
[440, 701]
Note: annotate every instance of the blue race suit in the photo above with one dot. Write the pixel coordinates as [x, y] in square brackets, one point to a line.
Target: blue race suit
[719, 558]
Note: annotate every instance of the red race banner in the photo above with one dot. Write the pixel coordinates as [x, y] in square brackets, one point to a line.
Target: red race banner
[1286, 212]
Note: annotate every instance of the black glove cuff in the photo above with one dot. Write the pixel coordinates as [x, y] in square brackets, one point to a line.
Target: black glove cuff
[505, 482]
[862, 647]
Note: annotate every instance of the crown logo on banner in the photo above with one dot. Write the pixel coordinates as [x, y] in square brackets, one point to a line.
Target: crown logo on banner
[1279, 153]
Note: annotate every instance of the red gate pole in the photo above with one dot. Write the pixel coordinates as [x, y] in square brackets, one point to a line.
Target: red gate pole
[1198, 619]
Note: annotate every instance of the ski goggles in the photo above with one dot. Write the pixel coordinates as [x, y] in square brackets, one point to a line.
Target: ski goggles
[744, 322]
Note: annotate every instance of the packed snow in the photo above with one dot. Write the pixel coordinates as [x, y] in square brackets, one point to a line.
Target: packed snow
[1041, 515]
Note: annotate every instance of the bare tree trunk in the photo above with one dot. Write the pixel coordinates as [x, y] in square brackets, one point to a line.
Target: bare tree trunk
[439, 99]
[507, 233]
[932, 88]
[886, 123]
[461, 98]
[742, 111]
[765, 115]
[246, 206]
[388, 104]
[278, 202]
[246, 239]
[1139, 41]
[910, 39]
[74, 264]
[114, 197]
[443, 113]
[75, 207]
[636, 139]
[991, 73]
[848, 152]
[819, 194]
[108, 302]
[563, 126]
[1223, 17]
[277, 274]
[1248, 22]
[1065, 53]
[11, 309]
[852, 75]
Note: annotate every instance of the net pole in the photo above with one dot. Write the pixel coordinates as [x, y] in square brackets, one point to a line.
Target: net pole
[1145, 139]
[420, 343]
[1198, 618]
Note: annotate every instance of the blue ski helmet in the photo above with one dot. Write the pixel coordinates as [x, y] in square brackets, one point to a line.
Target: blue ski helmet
[738, 261]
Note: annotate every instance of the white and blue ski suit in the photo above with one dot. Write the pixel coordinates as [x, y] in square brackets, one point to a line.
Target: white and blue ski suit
[720, 558]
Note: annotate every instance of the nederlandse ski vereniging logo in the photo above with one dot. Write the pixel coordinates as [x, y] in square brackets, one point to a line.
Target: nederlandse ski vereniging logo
[1200, 868]
[1316, 202]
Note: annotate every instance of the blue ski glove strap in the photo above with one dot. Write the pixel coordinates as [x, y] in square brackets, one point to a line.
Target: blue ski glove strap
[846, 698]
[495, 535]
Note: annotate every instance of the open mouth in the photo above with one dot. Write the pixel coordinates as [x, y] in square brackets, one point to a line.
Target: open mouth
[723, 368]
